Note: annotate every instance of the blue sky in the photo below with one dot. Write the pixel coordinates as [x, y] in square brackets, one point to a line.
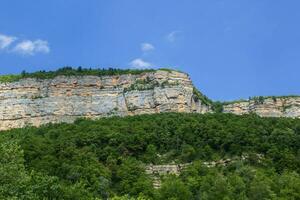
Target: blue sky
[232, 49]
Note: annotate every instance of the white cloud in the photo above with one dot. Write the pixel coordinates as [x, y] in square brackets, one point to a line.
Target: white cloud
[147, 47]
[171, 37]
[139, 63]
[28, 47]
[6, 41]
[23, 47]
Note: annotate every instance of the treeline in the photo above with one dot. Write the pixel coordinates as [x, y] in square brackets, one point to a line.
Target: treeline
[106, 158]
[70, 71]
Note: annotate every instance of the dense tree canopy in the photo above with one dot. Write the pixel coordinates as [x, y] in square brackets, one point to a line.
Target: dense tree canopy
[106, 158]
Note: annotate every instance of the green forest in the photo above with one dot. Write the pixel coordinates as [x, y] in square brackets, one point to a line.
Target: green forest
[106, 158]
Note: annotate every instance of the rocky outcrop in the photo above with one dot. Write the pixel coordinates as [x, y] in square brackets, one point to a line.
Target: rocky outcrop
[157, 171]
[288, 106]
[65, 98]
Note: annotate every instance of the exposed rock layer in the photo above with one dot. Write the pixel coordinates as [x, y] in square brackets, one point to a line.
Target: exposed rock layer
[65, 98]
[267, 107]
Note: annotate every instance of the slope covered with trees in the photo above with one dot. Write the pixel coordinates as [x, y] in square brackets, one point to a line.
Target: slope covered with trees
[107, 158]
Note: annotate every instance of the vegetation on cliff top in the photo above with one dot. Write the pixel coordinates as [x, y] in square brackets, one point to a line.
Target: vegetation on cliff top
[260, 99]
[197, 95]
[216, 106]
[106, 158]
[69, 71]
[79, 71]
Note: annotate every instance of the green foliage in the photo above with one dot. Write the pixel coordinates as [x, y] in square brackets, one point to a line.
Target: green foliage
[281, 97]
[13, 177]
[10, 78]
[198, 96]
[131, 179]
[150, 155]
[69, 71]
[147, 84]
[126, 197]
[173, 188]
[235, 101]
[106, 158]
[240, 182]
[144, 84]
[217, 107]
[258, 99]
[18, 183]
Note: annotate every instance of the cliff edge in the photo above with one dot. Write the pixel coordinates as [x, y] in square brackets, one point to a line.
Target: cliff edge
[284, 106]
[34, 101]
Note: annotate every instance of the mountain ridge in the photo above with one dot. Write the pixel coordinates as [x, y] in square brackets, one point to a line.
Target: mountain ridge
[66, 94]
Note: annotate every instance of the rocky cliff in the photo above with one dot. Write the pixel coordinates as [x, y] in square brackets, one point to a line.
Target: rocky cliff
[33, 101]
[286, 106]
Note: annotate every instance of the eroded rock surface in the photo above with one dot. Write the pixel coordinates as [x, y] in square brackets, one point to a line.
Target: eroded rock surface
[157, 171]
[267, 107]
[65, 98]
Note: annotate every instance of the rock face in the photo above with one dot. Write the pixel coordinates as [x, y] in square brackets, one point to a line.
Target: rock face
[267, 107]
[65, 98]
[156, 171]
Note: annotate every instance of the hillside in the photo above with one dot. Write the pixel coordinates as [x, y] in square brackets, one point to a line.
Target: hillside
[224, 156]
[153, 135]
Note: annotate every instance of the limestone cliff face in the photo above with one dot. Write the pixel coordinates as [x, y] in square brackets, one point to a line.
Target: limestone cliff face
[267, 107]
[65, 98]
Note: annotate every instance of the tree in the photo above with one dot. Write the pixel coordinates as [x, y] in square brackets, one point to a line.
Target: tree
[188, 153]
[132, 179]
[173, 188]
[13, 177]
[288, 185]
[151, 154]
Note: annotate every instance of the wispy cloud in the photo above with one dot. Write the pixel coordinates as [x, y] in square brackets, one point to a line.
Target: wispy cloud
[6, 41]
[171, 37]
[28, 47]
[23, 47]
[139, 63]
[147, 47]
